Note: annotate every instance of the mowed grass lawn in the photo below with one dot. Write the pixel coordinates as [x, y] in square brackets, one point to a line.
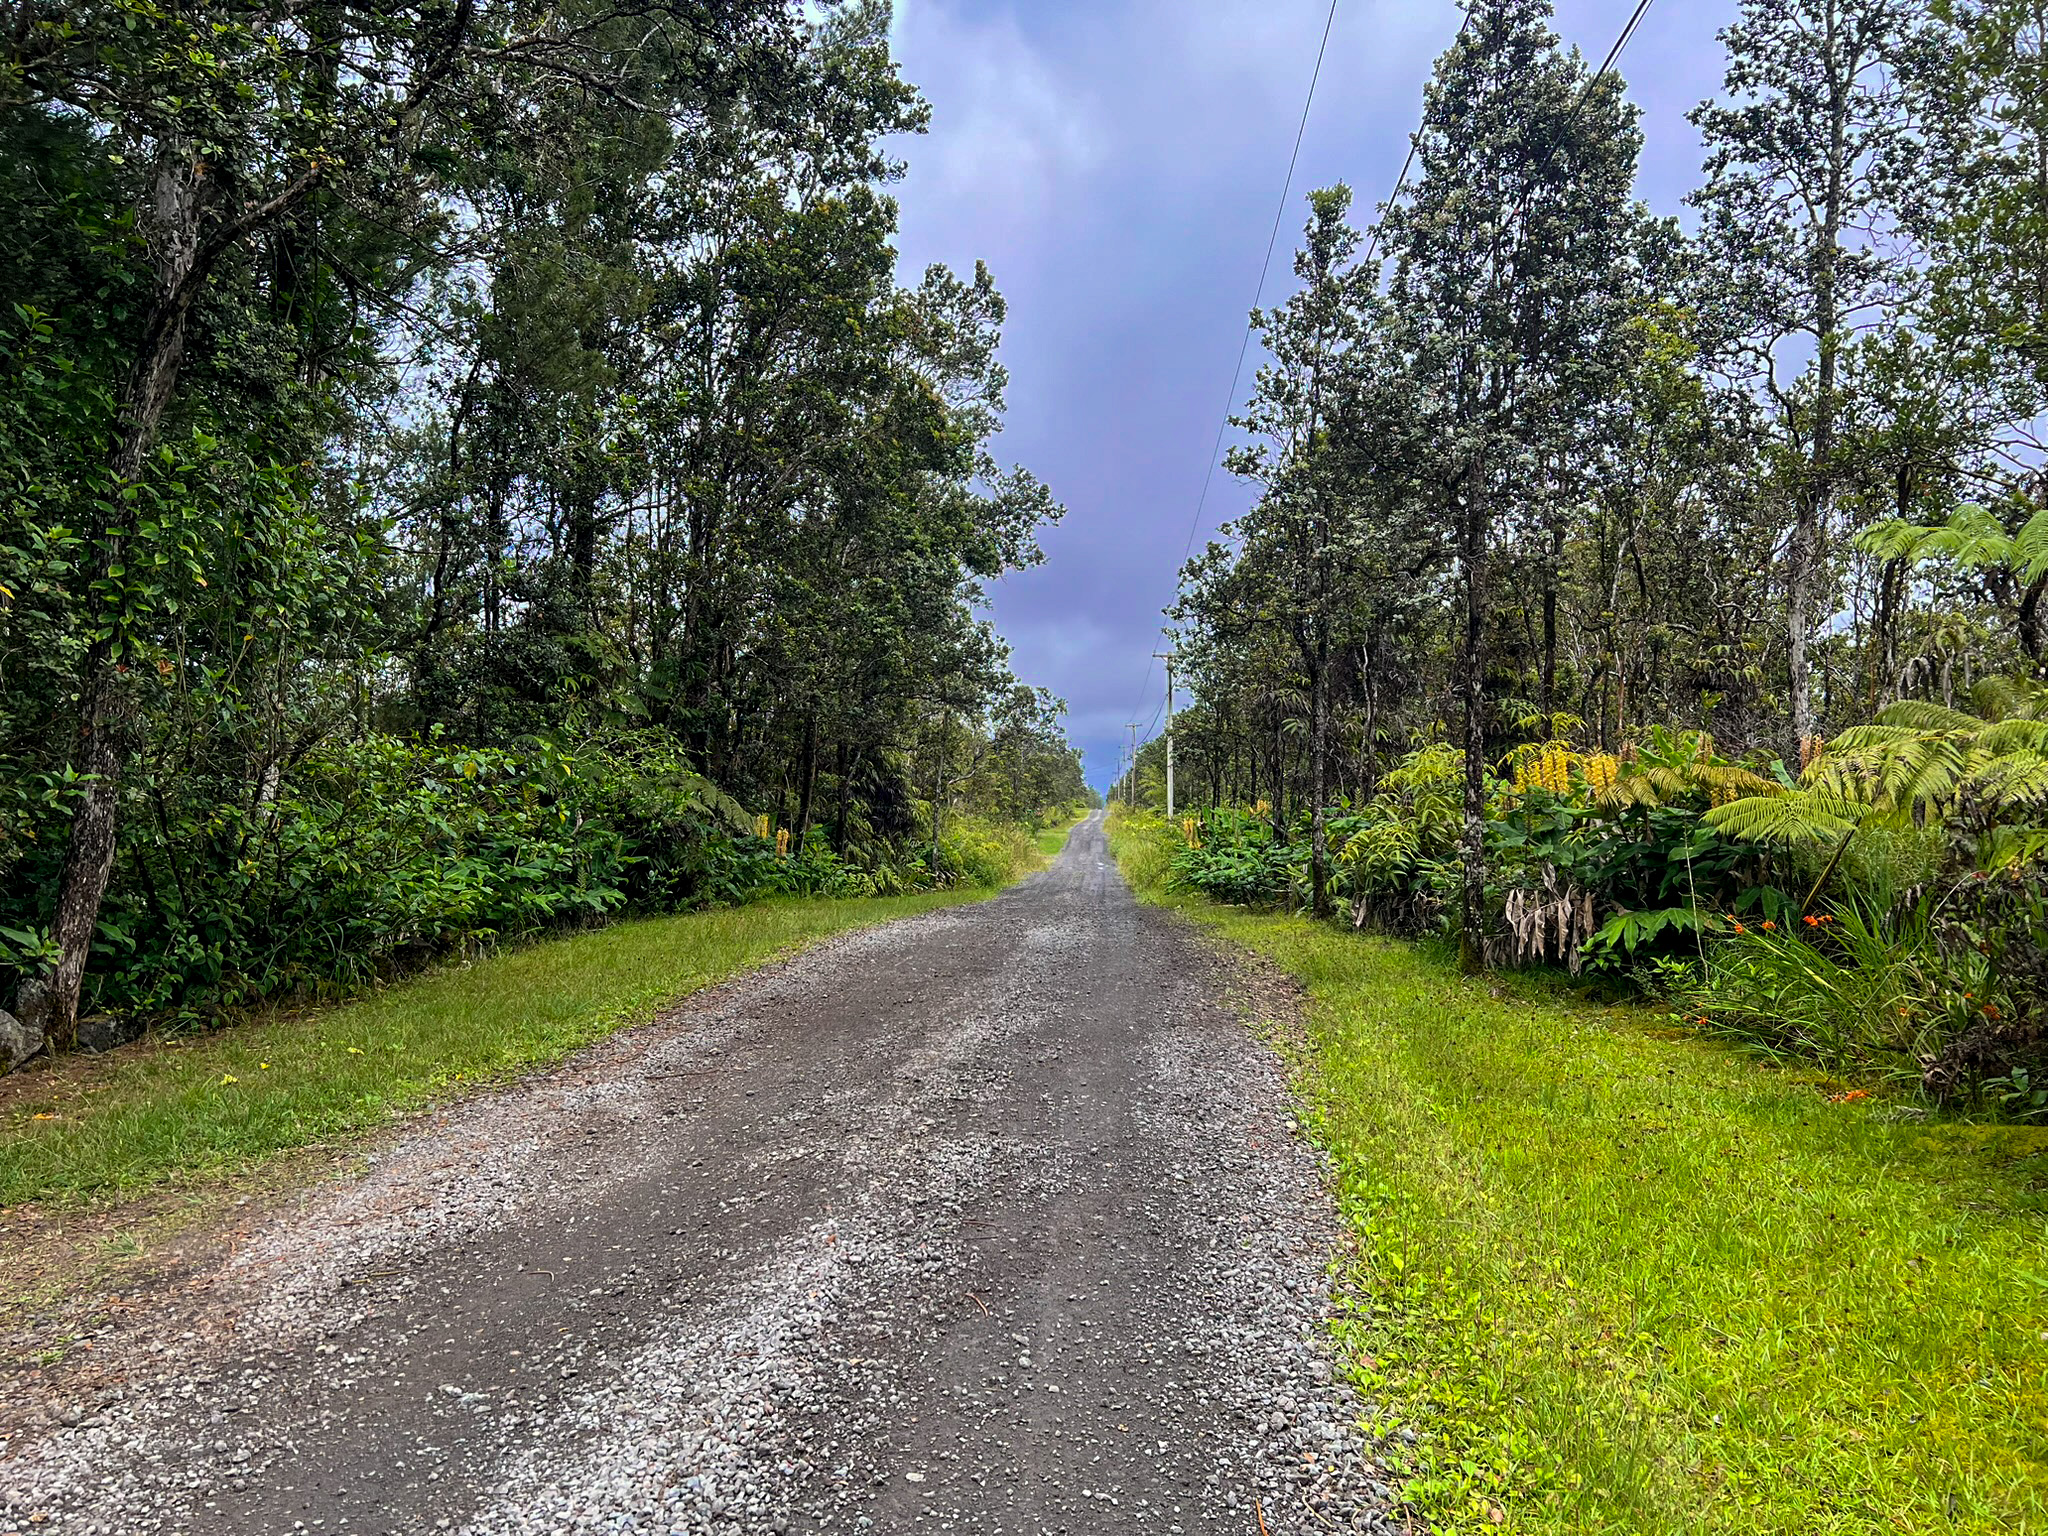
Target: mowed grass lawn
[222, 1102]
[1620, 1279]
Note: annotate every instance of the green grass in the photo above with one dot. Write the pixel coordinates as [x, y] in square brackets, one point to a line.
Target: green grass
[221, 1103]
[1053, 839]
[1622, 1279]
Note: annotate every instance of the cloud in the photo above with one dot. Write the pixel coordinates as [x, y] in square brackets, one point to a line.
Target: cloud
[1009, 132]
[1117, 163]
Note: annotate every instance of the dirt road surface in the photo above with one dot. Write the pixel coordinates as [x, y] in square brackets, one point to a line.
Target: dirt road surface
[991, 1221]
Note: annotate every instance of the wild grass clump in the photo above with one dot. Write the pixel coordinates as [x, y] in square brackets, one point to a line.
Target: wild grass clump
[979, 852]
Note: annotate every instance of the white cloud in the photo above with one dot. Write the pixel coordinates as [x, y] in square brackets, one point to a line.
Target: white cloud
[1008, 134]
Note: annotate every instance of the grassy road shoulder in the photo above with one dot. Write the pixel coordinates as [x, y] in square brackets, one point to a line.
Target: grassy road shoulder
[1623, 1280]
[220, 1103]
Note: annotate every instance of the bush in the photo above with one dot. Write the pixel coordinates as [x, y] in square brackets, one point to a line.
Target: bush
[1852, 988]
[370, 856]
[974, 851]
[1234, 857]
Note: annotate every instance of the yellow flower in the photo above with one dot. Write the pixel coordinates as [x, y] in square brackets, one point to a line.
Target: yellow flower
[228, 1077]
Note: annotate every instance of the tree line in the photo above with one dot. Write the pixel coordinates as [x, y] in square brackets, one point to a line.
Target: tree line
[464, 465]
[1536, 465]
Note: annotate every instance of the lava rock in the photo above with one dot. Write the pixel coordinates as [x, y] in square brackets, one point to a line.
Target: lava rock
[18, 1041]
[101, 1032]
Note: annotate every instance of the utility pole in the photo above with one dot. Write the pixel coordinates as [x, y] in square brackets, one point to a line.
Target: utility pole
[1167, 657]
[1131, 784]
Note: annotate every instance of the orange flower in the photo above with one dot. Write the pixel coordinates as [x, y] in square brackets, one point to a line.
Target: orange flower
[1769, 926]
[1811, 922]
[1991, 1011]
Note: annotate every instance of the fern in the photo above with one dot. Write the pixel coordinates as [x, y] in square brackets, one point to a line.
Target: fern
[1793, 818]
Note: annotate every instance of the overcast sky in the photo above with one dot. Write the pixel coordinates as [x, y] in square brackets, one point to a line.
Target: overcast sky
[1117, 164]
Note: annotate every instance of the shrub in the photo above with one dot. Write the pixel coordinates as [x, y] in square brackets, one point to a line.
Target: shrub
[974, 851]
[1856, 988]
[1234, 858]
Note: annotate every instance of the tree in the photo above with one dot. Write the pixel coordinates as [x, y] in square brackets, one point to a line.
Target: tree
[1509, 260]
[1301, 543]
[220, 130]
[1804, 168]
[389, 383]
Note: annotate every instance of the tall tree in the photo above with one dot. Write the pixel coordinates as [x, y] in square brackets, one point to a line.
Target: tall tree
[1805, 162]
[220, 131]
[1510, 259]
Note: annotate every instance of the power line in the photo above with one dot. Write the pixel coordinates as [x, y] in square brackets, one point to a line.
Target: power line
[1556, 143]
[1407, 165]
[1265, 268]
[1614, 54]
[1244, 347]
[1627, 33]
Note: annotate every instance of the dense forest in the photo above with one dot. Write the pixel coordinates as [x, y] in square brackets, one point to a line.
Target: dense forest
[1665, 595]
[467, 468]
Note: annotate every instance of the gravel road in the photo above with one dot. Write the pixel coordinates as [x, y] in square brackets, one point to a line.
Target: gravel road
[991, 1221]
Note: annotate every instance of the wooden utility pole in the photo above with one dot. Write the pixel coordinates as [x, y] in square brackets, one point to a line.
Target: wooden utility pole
[1131, 784]
[1167, 657]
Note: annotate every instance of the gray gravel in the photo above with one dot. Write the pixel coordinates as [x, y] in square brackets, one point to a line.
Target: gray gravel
[990, 1221]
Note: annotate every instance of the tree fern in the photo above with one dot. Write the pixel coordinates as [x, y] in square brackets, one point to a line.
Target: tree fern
[1790, 818]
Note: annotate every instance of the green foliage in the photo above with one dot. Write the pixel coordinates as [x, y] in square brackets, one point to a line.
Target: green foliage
[1622, 933]
[425, 481]
[980, 853]
[1861, 991]
[1235, 859]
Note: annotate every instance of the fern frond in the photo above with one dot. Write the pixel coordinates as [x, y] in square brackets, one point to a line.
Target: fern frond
[2014, 778]
[1732, 779]
[2029, 549]
[1971, 537]
[1924, 715]
[1896, 539]
[1786, 820]
[2016, 735]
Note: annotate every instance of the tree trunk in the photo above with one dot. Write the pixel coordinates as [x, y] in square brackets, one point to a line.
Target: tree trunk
[1472, 924]
[840, 803]
[1368, 683]
[1319, 772]
[1279, 776]
[1816, 495]
[808, 778]
[1550, 572]
[180, 194]
[939, 788]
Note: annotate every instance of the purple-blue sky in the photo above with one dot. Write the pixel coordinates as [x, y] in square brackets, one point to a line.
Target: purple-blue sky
[1117, 164]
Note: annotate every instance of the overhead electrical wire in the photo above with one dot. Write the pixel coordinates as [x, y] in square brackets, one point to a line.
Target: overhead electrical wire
[1614, 54]
[1414, 142]
[1244, 347]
